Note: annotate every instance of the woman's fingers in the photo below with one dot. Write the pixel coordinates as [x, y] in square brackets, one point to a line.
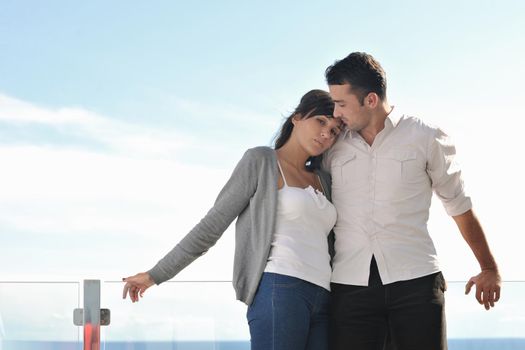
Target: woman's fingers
[136, 286]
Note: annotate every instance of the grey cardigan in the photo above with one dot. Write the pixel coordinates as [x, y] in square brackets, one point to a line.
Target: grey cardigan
[251, 196]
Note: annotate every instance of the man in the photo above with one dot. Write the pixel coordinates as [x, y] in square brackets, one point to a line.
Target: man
[386, 283]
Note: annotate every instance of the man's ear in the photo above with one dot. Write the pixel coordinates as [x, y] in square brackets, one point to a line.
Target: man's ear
[372, 100]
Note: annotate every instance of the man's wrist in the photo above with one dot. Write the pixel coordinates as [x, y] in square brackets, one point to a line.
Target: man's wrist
[490, 269]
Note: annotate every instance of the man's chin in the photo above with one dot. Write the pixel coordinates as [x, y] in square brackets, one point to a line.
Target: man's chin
[348, 125]
[354, 127]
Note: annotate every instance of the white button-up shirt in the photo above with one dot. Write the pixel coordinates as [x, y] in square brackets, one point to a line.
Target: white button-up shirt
[382, 194]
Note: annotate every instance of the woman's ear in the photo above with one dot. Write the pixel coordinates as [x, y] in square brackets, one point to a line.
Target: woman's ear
[296, 118]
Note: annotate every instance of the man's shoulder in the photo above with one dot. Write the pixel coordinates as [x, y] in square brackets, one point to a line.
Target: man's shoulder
[337, 151]
[416, 124]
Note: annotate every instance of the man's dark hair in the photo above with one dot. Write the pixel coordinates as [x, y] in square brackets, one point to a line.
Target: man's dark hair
[362, 72]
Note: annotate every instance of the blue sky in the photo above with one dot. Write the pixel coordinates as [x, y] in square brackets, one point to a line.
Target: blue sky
[120, 121]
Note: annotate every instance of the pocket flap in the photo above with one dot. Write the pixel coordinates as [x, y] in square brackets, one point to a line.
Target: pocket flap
[400, 155]
[340, 161]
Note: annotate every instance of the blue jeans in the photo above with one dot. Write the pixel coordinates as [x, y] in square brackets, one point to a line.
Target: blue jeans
[288, 313]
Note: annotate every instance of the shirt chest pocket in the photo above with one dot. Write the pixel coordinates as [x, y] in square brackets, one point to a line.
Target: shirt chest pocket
[344, 170]
[400, 166]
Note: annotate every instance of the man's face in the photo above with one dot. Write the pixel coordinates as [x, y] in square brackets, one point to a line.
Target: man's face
[348, 108]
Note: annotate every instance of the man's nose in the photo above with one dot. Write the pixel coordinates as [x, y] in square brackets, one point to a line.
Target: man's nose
[337, 112]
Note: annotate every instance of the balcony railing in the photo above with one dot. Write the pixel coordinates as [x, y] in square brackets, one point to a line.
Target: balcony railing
[195, 315]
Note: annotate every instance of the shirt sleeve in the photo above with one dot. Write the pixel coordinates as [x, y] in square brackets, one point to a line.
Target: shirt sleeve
[445, 174]
[231, 201]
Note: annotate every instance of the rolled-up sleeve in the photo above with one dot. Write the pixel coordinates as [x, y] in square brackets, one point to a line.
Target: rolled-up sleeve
[445, 174]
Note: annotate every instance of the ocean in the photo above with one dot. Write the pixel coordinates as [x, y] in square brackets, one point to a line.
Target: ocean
[453, 344]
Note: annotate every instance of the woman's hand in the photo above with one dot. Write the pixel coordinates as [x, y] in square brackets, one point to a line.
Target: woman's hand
[136, 286]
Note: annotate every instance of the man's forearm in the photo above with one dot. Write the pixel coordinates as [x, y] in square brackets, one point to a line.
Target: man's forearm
[472, 232]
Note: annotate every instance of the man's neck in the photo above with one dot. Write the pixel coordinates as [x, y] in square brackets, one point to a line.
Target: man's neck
[377, 123]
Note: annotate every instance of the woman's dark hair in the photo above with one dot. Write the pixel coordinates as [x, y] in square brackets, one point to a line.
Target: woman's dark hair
[314, 102]
[362, 72]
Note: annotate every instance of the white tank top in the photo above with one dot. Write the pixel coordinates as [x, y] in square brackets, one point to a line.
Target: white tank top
[299, 245]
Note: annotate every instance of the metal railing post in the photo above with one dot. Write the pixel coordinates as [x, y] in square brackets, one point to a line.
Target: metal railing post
[91, 316]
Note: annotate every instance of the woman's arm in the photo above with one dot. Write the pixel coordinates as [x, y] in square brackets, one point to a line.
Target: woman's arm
[231, 201]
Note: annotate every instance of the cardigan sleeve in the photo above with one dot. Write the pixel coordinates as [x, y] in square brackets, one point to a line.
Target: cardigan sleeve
[231, 201]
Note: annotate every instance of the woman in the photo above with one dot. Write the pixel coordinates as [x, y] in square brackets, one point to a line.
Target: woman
[282, 261]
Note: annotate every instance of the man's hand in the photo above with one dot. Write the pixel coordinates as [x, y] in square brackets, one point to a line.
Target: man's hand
[488, 282]
[488, 286]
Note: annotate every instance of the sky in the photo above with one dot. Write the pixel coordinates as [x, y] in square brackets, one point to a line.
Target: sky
[120, 121]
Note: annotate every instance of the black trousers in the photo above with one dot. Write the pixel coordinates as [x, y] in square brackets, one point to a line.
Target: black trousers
[403, 315]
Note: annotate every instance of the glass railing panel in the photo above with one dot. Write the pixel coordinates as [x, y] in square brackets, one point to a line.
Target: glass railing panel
[39, 315]
[205, 315]
[470, 326]
[176, 315]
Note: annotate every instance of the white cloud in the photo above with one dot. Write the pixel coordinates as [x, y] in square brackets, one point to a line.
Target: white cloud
[128, 138]
[14, 110]
[68, 192]
[224, 113]
[137, 192]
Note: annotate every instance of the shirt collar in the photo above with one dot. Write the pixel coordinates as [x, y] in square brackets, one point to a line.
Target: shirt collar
[394, 116]
[391, 121]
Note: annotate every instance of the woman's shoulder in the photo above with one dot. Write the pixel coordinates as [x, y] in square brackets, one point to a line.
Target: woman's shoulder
[261, 152]
[261, 157]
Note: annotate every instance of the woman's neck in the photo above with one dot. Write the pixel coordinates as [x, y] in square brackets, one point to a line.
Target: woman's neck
[293, 155]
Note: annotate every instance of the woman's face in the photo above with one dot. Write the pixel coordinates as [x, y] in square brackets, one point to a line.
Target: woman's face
[316, 134]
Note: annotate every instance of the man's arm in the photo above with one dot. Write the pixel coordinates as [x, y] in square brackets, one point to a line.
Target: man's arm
[488, 281]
